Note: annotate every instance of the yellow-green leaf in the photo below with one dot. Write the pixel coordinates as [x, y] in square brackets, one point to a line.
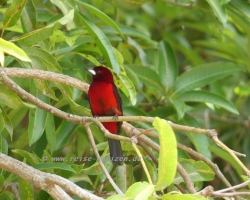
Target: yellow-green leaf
[168, 153]
[13, 50]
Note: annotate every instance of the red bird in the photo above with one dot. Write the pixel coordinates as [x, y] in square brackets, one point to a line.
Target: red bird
[105, 100]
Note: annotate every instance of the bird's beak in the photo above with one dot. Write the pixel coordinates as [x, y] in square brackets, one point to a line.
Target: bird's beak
[91, 71]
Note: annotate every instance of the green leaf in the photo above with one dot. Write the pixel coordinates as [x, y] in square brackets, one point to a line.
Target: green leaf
[7, 196]
[76, 108]
[95, 169]
[1, 180]
[203, 96]
[124, 176]
[140, 191]
[1, 122]
[229, 51]
[162, 111]
[64, 132]
[3, 145]
[102, 43]
[41, 59]
[152, 170]
[13, 50]
[43, 33]
[42, 195]
[200, 141]
[50, 132]
[7, 122]
[57, 36]
[219, 10]
[222, 2]
[197, 171]
[29, 17]
[243, 22]
[179, 106]
[204, 74]
[25, 190]
[167, 66]
[168, 151]
[37, 119]
[43, 86]
[148, 76]
[242, 6]
[183, 197]
[90, 58]
[102, 16]
[12, 14]
[140, 51]
[132, 76]
[245, 178]
[128, 31]
[30, 157]
[54, 165]
[65, 7]
[2, 58]
[127, 86]
[9, 98]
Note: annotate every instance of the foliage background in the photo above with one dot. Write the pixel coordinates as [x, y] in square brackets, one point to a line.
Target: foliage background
[155, 43]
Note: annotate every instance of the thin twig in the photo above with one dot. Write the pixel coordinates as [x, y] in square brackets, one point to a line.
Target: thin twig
[134, 141]
[215, 139]
[233, 187]
[231, 194]
[13, 188]
[149, 133]
[186, 178]
[92, 142]
[144, 132]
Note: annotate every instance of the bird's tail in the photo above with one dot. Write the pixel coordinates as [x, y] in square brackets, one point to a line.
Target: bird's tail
[115, 149]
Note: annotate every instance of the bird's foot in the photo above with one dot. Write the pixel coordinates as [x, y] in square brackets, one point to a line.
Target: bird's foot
[115, 117]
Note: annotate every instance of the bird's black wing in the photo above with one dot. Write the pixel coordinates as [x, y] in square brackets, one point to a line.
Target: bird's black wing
[119, 103]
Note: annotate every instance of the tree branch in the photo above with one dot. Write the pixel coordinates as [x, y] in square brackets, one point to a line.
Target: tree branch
[51, 183]
[47, 75]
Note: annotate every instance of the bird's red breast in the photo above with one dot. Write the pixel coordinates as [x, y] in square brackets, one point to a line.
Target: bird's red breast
[103, 102]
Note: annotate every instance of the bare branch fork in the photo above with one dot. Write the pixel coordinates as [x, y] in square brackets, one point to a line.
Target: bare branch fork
[127, 128]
